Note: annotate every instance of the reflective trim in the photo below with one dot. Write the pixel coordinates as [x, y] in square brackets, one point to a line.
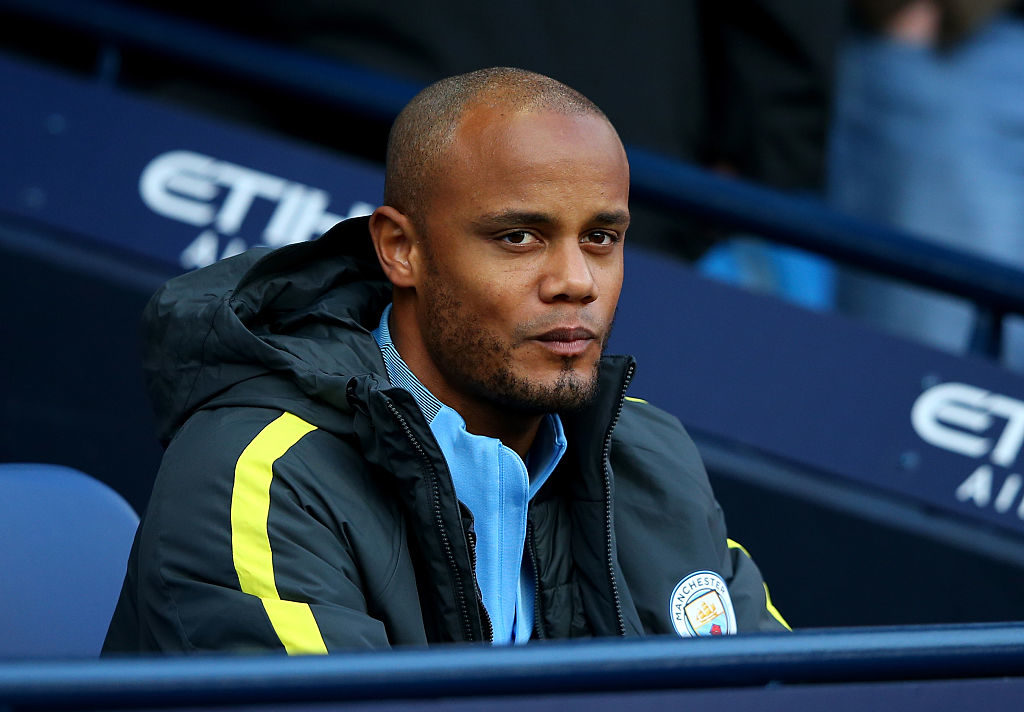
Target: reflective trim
[295, 626]
[636, 400]
[772, 609]
[250, 541]
[767, 596]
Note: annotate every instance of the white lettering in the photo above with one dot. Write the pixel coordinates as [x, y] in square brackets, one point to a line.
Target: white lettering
[1007, 493]
[180, 185]
[358, 209]
[245, 185]
[956, 404]
[1008, 447]
[954, 416]
[977, 487]
[235, 247]
[202, 251]
[309, 218]
[186, 186]
[279, 229]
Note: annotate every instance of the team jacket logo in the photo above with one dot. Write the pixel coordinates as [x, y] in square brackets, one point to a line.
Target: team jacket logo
[701, 606]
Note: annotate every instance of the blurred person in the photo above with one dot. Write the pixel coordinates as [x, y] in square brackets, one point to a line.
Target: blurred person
[929, 137]
[406, 432]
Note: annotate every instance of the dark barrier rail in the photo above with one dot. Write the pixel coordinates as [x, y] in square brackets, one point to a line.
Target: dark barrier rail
[809, 224]
[370, 94]
[825, 656]
[656, 179]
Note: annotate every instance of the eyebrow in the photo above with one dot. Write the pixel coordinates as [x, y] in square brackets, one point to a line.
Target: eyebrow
[617, 218]
[515, 218]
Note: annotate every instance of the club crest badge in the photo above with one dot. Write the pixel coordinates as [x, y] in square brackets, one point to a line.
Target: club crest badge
[701, 606]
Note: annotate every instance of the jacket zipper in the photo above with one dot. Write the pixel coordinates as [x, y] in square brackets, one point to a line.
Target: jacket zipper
[538, 627]
[606, 464]
[446, 544]
[488, 625]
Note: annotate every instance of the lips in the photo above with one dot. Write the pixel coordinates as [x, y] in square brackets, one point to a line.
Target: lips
[566, 341]
[571, 333]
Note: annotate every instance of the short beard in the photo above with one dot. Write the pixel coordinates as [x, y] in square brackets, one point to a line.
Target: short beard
[570, 392]
[475, 360]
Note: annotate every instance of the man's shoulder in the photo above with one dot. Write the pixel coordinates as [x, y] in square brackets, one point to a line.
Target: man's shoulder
[231, 427]
[218, 439]
[219, 447]
[643, 424]
[651, 443]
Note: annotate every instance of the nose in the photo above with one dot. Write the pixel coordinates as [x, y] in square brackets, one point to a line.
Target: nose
[568, 274]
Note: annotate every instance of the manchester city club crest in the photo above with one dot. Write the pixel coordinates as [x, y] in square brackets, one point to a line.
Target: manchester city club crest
[701, 606]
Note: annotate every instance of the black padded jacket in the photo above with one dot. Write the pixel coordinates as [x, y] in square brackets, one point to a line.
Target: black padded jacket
[303, 504]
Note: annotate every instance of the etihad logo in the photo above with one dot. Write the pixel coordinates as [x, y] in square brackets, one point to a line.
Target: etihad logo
[982, 425]
[218, 196]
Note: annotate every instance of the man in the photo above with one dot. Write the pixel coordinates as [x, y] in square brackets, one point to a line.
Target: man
[405, 432]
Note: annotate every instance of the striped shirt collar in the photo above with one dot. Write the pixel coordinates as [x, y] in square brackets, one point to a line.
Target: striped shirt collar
[400, 375]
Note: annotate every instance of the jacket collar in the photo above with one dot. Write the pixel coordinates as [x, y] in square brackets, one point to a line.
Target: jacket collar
[395, 437]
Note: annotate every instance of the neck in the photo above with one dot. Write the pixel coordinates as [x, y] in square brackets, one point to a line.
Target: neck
[517, 433]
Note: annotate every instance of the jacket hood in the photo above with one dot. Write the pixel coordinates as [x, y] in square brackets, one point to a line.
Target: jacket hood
[281, 328]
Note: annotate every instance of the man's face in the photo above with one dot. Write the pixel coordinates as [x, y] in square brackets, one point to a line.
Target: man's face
[522, 250]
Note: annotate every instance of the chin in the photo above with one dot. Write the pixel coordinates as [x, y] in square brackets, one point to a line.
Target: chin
[567, 390]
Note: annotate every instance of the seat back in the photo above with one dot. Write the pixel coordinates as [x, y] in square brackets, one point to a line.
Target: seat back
[64, 543]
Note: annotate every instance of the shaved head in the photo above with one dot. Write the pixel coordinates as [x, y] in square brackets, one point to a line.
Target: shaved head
[426, 126]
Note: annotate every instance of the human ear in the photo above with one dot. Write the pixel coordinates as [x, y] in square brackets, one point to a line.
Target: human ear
[394, 238]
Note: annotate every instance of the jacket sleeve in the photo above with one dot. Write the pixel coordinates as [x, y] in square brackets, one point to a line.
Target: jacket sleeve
[242, 549]
[755, 611]
[669, 524]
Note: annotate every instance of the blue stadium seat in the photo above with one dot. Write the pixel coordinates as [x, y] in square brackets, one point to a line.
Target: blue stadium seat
[65, 540]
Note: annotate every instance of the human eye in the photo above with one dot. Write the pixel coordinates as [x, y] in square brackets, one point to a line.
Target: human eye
[601, 238]
[518, 237]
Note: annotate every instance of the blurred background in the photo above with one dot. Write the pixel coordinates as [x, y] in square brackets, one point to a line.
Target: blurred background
[827, 246]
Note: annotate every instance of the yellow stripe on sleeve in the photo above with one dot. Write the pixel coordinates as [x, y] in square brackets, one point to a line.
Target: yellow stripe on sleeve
[767, 596]
[295, 626]
[636, 400]
[250, 541]
[772, 609]
[733, 544]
